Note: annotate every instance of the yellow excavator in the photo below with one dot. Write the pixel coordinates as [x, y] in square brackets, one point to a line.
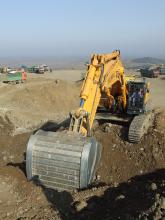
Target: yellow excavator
[67, 160]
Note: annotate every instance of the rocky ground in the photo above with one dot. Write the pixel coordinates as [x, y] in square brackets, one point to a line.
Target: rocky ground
[130, 179]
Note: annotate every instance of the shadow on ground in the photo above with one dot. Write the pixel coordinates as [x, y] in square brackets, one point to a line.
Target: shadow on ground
[53, 126]
[127, 201]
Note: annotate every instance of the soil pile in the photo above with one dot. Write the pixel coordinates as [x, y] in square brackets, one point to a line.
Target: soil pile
[29, 106]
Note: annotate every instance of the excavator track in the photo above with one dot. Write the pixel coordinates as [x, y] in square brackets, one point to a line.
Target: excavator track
[62, 160]
[139, 126]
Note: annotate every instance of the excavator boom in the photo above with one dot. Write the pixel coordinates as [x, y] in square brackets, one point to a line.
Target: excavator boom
[104, 71]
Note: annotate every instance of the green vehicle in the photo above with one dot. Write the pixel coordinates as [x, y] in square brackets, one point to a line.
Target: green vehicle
[31, 69]
[13, 78]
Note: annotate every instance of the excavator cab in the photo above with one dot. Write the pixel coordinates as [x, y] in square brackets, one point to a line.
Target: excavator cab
[136, 97]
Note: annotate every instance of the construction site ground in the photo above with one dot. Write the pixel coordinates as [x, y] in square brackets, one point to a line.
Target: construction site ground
[130, 178]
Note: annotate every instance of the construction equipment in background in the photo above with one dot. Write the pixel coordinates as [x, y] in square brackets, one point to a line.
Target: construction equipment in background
[38, 69]
[65, 160]
[5, 69]
[42, 69]
[13, 77]
[150, 72]
[46, 67]
[162, 70]
[29, 69]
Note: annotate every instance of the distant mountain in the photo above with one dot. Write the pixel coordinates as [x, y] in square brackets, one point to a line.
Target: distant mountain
[148, 60]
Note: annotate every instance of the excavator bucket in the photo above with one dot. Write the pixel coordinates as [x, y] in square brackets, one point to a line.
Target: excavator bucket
[62, 160]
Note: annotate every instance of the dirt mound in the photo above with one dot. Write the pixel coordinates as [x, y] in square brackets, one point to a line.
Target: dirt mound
[51, 95]
[29, 106]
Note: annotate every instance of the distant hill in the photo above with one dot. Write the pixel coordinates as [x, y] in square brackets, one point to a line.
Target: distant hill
[143, 62]
[148, 60]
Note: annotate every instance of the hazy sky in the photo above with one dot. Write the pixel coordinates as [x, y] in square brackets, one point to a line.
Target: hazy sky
[82, 27]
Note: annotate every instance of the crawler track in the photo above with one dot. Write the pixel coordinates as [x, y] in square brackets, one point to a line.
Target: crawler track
[139, 126]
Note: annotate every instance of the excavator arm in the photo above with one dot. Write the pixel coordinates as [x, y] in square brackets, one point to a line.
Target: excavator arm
[104, 71]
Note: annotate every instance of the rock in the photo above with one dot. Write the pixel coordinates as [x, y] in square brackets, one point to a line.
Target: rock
[98, 177]
[120, 197]
[153, 186]
[157, 196]
[94, 189]
[75, 191]
[11, 157]
[8, 214]
[114, 145]
[162, 203]
[80, 205]
[116, 184]
[153, 207]
[157, 216]
[57, 81]
[107, 127]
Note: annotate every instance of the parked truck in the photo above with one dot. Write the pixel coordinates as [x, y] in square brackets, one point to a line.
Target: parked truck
[13, 77]
[150, 72]
[162, 70]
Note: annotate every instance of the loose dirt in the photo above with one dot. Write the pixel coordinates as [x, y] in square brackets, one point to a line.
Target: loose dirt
[123, 188]
[26, 107]
[121, 160]
[130, 180]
